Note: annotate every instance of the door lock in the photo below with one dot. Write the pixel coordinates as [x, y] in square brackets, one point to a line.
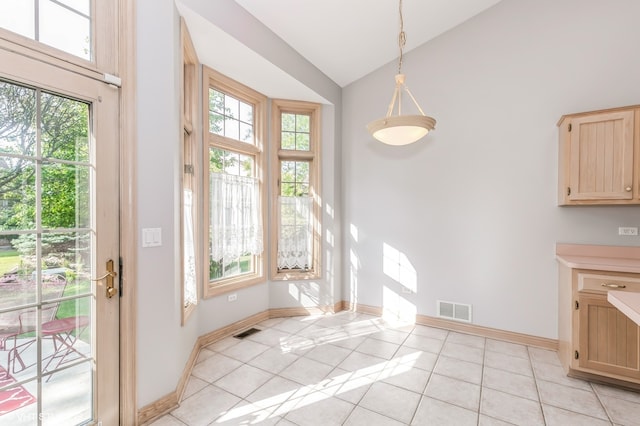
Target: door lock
[109, 275]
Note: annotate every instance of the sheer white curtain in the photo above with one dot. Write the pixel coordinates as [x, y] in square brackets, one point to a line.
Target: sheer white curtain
[190, 291]
[236, 225]
[295, 232]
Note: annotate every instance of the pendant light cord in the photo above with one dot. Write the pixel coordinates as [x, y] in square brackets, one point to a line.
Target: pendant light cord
[402, 38]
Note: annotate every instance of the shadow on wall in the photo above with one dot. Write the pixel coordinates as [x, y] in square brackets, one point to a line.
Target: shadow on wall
[399, 268]
[307, 294]
[395, 265]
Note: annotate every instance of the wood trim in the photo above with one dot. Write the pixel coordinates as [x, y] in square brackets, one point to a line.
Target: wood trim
[477, 330]
[170, 401]
[636, 155]
[598, 378]
[314, 157]
[128, 212]
[162, 406]
[488, 332]
[189, 150]
[212, 78]
[303, 311]
[231, 329]
[363, 309]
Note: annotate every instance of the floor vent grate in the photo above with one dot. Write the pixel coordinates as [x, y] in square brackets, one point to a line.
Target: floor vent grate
[247, 333]
[454, 311]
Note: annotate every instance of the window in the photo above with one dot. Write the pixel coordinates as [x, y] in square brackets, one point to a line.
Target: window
[296, 188]
[66, 29]
[189, 189]
[234, 188]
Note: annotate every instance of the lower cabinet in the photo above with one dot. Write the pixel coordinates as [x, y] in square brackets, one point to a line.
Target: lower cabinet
[607, 339]
[596, 340]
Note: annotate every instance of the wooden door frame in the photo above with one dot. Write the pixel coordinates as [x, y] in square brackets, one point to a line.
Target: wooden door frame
[128, 224]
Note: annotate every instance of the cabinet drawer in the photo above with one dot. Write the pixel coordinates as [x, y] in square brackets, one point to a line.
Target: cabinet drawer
[601, 283]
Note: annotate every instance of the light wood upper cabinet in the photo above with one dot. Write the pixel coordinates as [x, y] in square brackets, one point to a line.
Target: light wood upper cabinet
[599, 157]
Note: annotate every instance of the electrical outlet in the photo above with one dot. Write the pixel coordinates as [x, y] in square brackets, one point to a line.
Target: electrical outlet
[232, 297]
[628, 230]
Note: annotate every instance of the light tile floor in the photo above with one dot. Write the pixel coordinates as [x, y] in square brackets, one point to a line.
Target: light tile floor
[355, 369]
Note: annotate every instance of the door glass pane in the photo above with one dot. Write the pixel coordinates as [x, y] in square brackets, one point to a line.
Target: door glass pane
[18, 128]
[65, 204]
[17, 256]
[65, 128]
[63, 24]
[17, 193]
[46, 292]
[71, 384]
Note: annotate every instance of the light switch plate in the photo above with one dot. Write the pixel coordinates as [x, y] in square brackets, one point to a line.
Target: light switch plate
[151, 237]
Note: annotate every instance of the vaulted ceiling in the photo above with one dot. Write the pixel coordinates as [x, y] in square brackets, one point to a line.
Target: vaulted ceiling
[347, 39]
[344, 39]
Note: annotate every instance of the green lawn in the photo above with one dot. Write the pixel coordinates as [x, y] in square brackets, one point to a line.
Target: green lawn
[70, 308]
[9, 259]
[82, 306]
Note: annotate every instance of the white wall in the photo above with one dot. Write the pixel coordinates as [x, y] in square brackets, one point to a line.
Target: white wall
[163, 344]
[469, 214]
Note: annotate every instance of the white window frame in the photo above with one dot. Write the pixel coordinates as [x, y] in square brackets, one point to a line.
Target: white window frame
[217, 81]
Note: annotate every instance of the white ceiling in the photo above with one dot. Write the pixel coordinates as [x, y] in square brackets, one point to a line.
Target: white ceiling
[347, 39]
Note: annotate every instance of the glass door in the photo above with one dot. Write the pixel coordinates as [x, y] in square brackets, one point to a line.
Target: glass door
[58, 232]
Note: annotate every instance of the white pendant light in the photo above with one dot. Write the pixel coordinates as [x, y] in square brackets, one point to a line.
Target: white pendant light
[401, 129]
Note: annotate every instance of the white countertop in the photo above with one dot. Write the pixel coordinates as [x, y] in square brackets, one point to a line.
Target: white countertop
[627, 302]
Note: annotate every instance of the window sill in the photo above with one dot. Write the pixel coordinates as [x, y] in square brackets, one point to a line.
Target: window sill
[295, 275]
[217, 288]
[187, 311]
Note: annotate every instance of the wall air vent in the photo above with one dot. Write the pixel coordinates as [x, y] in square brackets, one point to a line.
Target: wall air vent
[454, 311]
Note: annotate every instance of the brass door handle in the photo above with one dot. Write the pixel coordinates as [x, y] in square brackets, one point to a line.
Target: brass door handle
[613, 285]
[109, 275]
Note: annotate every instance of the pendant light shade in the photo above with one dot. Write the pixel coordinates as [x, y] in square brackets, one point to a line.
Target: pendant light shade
[401, 129]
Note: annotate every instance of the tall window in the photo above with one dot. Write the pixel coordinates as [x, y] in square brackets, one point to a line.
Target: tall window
[189, 194]
[296, 183]
[234, 186]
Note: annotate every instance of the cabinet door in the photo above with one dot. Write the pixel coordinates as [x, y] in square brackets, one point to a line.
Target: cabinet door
[601, 160]
[609, 340]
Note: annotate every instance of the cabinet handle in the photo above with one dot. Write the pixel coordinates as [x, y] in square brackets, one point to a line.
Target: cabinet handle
[613, 285]
[628, 189]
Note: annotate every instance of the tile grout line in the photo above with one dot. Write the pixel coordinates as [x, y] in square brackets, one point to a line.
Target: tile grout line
[604, 407]
[535, 381]
[484, 352]
[424, 395]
